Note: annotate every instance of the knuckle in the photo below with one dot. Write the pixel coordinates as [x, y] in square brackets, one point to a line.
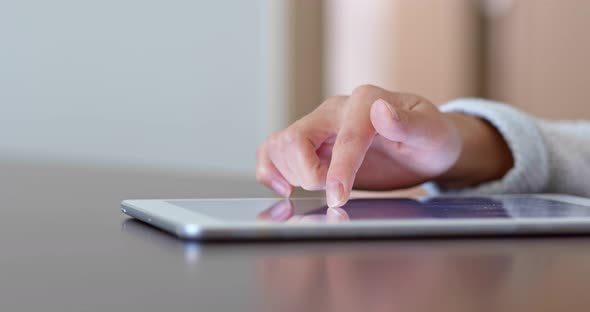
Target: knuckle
[273, 139]
[334, 101]
[411, 101]
[261, 174]
[366, 90]
[291, 136]
[348, 138]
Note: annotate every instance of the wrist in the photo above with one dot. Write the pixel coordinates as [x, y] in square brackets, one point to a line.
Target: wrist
[485, 155]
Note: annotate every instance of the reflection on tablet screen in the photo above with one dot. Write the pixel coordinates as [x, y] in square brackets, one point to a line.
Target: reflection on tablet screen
[288, 210]
[378, 209]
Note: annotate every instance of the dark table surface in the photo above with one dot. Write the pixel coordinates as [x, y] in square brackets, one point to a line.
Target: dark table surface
[65, 246]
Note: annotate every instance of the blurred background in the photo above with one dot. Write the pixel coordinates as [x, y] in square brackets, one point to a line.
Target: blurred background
[190, 88]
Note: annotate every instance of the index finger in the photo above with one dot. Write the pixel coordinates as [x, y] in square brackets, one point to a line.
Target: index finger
[352, 142]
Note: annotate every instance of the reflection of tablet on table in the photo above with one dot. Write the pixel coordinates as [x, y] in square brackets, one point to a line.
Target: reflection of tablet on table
[228, 219]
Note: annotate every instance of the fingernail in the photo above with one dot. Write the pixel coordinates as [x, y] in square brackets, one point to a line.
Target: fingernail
[334, 194]
[392, 111]
[281, 188]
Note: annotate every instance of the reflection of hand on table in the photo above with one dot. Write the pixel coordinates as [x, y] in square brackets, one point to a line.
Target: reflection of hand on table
[376, 280]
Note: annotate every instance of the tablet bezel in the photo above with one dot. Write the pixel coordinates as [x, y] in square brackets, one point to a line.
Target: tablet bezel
[186, 224]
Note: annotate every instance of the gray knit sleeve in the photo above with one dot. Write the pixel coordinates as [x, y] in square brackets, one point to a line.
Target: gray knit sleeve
[549, 157]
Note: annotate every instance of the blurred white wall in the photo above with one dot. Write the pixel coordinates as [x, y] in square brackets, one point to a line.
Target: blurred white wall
[134, 83]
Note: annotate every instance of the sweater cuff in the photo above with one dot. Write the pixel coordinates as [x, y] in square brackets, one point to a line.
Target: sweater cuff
[530, 173]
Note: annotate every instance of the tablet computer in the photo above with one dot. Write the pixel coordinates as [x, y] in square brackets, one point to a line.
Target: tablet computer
[308, 218]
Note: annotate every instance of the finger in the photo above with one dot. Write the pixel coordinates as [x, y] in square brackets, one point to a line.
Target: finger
[418, 125]
[352, 142]
[268, 175]
[310, 169]
[301, 148]
[281, 155]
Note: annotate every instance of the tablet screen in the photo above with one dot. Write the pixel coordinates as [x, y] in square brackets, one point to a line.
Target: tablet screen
[390, 208]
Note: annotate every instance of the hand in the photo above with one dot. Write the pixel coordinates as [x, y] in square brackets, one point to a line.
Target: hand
[373, 139]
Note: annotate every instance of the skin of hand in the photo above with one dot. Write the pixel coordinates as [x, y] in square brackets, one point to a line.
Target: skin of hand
[375, 139]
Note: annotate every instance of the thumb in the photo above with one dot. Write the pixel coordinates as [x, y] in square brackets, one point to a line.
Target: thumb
[420, 125]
